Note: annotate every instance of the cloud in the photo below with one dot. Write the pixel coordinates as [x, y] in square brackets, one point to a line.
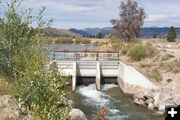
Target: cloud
[93, 13]
[156, 18]
[67, 6]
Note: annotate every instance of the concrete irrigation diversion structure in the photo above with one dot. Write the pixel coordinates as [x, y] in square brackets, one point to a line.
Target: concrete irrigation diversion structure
[128, 78]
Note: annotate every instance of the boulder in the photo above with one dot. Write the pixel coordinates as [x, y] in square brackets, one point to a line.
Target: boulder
[149, 100]
[148, 93]
[139, 95]
[8, 108]
[70, 103]
[77, 114]
[144, 95]
[139, 101]
[162, 105]
[151, 106]
[5, 100]
[160, 97]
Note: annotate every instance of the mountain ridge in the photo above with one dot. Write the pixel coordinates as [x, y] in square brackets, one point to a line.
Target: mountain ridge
[89, 32]
[145, 32]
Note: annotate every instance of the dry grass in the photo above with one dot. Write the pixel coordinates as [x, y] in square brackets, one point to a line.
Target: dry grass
[166, 57]
[155, 75]
[5, 87]
[82, 40]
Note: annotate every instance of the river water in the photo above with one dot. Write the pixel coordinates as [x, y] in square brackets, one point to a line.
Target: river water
[120, 106]
[69, 47]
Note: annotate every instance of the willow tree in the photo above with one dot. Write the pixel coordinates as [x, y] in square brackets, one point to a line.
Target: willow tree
[131, 18]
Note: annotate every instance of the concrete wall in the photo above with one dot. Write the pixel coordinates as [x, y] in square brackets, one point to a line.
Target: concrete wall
[129, 79]
[132, 81]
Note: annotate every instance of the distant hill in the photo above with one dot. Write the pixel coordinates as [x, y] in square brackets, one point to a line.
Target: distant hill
[92, 31]
[54, 32]
[162, 32]
[87, 32]
[79, 31]
[145, 32]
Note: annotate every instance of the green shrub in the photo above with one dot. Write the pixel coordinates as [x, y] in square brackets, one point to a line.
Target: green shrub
[22, 62]
[137, 52]
[45, 95]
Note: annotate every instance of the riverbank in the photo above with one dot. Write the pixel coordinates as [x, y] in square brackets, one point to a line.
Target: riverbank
[162, 68]
[120, 106]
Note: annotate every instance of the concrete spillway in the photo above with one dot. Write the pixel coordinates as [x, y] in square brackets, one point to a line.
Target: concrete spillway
[128, 78]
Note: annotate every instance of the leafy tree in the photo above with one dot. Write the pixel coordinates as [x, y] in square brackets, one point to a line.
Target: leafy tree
[171, 37]
[131, 19]
[22, 62]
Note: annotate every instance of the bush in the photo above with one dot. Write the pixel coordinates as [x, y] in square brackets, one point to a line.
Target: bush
[22, 62]
[45, 95]
[137, 52]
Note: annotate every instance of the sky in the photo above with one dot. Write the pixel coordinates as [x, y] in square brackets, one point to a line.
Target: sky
[98, 13]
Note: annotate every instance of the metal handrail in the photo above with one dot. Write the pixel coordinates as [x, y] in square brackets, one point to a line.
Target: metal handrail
[85, 55]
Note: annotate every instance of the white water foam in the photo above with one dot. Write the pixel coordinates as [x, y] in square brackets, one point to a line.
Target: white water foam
[93, 96]
[100, 99]
[114, 111]
[108, 86]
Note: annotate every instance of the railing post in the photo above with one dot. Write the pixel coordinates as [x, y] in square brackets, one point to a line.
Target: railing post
[98, 76]
[74, 76]
[54, 55]
[97, 56]
[118, 56]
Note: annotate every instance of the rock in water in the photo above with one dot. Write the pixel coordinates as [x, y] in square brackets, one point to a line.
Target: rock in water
[70, 103]
[77, 114]
[151, 106]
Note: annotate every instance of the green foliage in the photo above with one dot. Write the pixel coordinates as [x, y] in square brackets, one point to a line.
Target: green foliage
[18, 44]
[22, 62]
[45, 95]
[171, 37]
[137, 52]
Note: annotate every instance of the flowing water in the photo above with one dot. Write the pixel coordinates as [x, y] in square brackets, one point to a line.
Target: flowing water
[120, 106]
